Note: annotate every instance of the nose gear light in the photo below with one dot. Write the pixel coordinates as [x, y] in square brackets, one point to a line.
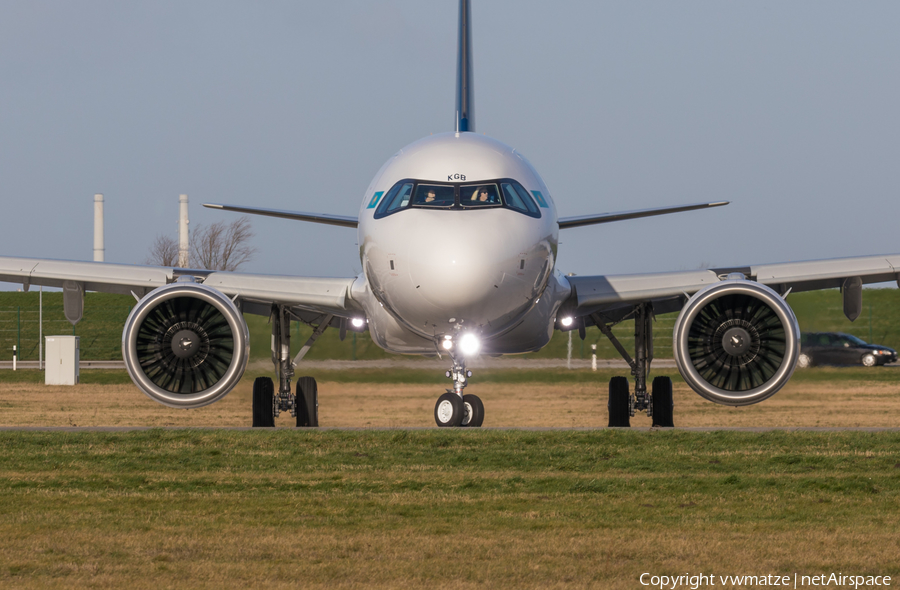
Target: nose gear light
[469, 344]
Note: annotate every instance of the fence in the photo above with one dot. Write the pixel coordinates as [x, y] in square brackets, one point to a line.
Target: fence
[100, 330]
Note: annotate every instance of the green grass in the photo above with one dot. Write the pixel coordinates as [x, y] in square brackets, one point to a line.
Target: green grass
[440, 509]
[100, 330]
[105, 314]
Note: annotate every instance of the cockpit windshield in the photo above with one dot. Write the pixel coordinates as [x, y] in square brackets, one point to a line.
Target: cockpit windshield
[504, 193]
[397, 197]
[482, 195]
[434, 195]
[517, 198]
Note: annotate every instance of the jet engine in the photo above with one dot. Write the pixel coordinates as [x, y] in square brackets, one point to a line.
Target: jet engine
[736, 342]
[185, 345]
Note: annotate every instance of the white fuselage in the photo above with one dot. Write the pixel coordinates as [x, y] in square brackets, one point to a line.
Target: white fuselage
[428, 273]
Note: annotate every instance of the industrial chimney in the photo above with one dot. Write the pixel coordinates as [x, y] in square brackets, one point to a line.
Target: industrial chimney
[98, 228]
[183, 245]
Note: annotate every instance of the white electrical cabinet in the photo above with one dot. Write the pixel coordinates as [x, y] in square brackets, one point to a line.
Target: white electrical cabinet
[62, 360]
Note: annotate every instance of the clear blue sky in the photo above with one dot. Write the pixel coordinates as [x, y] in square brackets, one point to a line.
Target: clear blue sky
[787, 109]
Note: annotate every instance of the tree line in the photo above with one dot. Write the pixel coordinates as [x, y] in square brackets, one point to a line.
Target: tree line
[217, 246]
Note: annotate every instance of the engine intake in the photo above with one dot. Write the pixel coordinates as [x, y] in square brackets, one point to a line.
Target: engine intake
[736, 342]
[185, 345]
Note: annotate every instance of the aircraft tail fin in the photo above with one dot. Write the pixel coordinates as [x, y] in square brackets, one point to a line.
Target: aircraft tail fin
[465, 108]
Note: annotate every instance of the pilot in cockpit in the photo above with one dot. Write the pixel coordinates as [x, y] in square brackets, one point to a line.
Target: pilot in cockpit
[481, 195]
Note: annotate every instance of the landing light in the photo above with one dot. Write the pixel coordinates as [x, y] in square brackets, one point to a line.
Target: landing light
[447, 343]
[566, 321]
[469, 344]
[358, 322]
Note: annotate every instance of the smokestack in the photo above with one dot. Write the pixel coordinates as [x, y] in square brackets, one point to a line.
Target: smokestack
[98, 228]
[183, 245]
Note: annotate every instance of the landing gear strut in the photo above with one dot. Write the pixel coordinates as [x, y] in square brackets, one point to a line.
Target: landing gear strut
[622, 405]
[303, 405]
[455, 409]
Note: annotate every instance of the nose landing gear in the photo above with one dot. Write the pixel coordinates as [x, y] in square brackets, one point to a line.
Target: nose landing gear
[455, 409]
[474, 411]
[449, 410]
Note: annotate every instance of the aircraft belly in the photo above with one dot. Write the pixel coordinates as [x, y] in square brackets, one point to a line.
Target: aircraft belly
[530, 331]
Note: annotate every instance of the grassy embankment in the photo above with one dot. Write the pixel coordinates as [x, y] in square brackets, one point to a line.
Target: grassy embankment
[457, 509]
[101, 328]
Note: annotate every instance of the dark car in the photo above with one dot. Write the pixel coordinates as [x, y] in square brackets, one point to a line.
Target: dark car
[835, 348]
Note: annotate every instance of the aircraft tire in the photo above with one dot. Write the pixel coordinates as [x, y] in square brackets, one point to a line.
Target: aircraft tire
[619, 415]
[449, 410]
[263, 403]
[663, 406]
[307, 403]
[476, 409]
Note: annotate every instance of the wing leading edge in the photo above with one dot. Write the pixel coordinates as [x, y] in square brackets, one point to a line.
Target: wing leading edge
[569, 222]
[326, 218]
[593, 293]
[256, 292]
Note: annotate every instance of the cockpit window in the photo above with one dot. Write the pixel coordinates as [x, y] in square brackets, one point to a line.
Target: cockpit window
[397, 197]
[505, 193]
[480, 195]
[435, 195]
[517, 198]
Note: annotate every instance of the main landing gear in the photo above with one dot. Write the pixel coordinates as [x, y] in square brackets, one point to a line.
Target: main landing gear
[304, 404]
[455, 409]
[622, 405]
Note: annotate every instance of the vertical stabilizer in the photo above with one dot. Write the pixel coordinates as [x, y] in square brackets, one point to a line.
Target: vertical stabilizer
[465, 107]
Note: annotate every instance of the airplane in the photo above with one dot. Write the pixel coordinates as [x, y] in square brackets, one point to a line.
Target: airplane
[493, 289]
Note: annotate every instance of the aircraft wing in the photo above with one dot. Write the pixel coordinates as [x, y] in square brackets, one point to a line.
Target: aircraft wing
[326, 218]
[255, 293]
[582, 220]
[668, 290]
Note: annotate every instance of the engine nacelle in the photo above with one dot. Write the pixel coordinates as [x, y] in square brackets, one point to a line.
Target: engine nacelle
[736, 342]
[185, 345]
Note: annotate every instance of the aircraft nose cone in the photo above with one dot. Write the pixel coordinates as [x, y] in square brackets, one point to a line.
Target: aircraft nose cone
[468, 269]
[455, 274]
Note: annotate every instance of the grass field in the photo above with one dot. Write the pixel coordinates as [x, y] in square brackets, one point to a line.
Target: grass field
[430, 508]
[439, 509]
